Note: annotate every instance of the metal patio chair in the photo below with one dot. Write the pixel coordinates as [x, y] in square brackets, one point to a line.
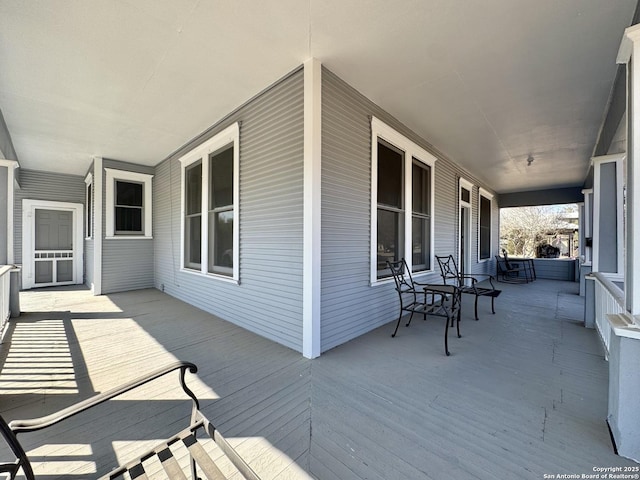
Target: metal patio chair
[511, 272]
[200, 461]
[526, 263]
[425, 299]
[467, 283]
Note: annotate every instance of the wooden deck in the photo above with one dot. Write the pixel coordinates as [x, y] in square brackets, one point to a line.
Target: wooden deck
[523, 394]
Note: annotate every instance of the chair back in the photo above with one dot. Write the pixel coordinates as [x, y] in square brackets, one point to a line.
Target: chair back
[506, 259]
[449, 271]
[401, 276]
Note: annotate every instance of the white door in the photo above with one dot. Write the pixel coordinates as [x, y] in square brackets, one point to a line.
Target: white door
[52, 243]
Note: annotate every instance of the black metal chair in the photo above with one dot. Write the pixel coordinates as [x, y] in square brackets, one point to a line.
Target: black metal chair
[425, 299]
[183, 442]
[467, 283]
[526, 263]
[511, 272]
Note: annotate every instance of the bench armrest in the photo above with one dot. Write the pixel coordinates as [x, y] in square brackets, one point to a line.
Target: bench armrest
[19, 426]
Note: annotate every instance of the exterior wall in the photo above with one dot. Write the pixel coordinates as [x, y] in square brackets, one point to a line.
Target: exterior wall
[350, 306]
[127, 264]
[3, 214]
[268, 298]
[54, 187]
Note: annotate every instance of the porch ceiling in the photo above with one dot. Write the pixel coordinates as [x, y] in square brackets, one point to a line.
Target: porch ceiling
[487, 83]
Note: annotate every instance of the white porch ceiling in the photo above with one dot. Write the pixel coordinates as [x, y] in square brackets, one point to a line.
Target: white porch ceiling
[487, 82]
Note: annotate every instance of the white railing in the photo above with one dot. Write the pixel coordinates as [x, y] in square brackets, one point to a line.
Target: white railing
[609, 299]
[5, 289]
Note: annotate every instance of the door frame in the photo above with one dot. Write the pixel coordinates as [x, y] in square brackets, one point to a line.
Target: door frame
[466, 207]
[29, 207]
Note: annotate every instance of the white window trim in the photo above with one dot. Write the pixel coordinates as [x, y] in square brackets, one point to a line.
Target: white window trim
[466, 184]
[484, 193]
[88, 220]
[112, 175]
[381, 130]
[229, 135]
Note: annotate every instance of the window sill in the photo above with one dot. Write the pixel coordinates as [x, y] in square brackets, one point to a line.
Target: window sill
[213, 276]
[128, 237]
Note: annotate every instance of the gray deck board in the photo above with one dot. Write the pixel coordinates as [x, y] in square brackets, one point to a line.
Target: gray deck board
[524, 392]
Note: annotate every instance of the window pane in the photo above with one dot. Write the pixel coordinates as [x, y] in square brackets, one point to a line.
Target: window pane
[390, 238]
[485, 227]
[221, 242]
[64, 271]
[221, 172]
[421, 181]
[193, 187]
[390, 162]
[421, 254]
[128, 193]
[128, 219]
[465, 195]
[193, 233]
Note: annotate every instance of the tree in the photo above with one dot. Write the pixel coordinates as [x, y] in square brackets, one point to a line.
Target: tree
[522, 229]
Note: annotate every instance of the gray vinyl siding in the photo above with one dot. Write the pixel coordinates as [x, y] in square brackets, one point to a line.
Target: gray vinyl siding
[268, 299]
[3, 214]
[36, 185]
[127, 264]
[350, 306]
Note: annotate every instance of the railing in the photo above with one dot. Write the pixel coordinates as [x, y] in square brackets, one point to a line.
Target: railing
[609, 299]
[5, 289]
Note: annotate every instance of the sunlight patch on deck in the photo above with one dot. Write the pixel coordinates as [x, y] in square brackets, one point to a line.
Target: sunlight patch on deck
[39, 360]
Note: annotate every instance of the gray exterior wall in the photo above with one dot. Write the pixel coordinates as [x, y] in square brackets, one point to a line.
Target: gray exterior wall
[3, 214]
[36, 185]
[127, 264]
[268, 299]
[350, 306]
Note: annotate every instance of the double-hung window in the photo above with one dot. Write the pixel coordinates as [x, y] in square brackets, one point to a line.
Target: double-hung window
[401, 202]
[210, 206]
[484, 225]
[128, 204]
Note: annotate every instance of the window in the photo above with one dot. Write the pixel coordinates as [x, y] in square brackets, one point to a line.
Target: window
[210, 206]
[484, 224]
[128, 204]
[88, 223]
[401, 203]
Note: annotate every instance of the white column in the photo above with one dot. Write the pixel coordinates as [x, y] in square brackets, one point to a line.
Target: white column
[98, 187]
[312, 211]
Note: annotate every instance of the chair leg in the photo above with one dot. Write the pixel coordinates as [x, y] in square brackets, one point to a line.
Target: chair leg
[476, 308]
[397, 325]
[493, 310]
[446, 331]
[458, 324]
[410, 318]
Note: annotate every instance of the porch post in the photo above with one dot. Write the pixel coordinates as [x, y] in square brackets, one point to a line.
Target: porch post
[98, 195]
[312, 211]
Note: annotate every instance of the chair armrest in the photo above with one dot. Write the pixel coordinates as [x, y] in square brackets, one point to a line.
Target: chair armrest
[32, 425]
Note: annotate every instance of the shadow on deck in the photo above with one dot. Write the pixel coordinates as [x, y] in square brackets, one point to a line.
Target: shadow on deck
[523, 394]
